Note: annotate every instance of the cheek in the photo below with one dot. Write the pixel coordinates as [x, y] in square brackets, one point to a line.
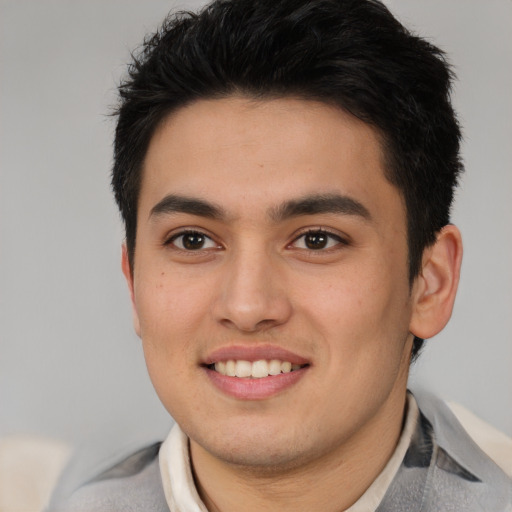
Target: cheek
[364, 307]
[170, 311]
[173, 311]
[170, 314]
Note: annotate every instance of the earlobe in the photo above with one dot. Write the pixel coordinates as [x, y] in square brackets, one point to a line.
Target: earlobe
[127, 271]
[435, 288]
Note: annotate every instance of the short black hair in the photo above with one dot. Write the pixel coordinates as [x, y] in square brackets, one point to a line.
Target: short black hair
[352, 54]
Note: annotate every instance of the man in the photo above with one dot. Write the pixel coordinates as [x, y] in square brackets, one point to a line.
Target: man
[285, 172]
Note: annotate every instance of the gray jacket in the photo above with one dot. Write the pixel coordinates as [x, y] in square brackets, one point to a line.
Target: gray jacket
[443, 470]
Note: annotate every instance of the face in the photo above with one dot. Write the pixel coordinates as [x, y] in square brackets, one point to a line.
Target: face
[270, 282]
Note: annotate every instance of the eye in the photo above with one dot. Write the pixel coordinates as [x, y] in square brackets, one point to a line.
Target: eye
[316, 240]
[192, 241]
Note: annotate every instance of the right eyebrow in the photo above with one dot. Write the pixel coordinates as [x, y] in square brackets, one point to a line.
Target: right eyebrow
[172, 204]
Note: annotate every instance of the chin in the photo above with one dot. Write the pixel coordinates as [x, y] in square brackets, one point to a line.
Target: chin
[259, 447]
[259, 456]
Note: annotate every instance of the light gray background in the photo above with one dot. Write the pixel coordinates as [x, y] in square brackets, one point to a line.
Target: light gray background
[70, 365]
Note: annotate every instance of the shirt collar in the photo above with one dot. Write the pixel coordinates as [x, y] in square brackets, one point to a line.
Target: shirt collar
[182, 496]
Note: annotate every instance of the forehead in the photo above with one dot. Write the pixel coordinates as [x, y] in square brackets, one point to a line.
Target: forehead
[248, 153]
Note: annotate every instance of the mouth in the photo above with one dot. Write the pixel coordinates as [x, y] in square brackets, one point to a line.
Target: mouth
[256, 372]
[254, 369]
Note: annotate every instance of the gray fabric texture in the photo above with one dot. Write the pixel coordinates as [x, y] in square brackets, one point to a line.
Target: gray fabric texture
[132, 485]
[443, 470]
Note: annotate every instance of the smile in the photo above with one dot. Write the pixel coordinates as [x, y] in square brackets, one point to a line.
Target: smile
[254, 372]
[255, 369]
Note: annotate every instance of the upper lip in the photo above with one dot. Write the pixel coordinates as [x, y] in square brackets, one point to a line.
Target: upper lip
[253, 353]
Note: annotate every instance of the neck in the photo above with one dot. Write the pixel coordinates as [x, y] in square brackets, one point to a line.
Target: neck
[331, 482]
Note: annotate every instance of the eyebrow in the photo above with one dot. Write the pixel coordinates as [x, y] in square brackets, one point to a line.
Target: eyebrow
[317, 204]
[308, 205]
[182, 204]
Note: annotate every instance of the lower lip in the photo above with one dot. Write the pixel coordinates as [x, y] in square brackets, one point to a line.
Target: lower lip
[255, 389]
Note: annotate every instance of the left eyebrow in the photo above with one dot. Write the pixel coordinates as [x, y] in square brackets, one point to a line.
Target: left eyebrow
[317, 204]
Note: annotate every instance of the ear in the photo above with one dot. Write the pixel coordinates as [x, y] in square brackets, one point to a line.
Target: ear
[127, 271]
[435, 288]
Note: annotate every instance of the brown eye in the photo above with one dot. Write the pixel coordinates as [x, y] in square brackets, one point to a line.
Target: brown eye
[192, 241]
[318, 240]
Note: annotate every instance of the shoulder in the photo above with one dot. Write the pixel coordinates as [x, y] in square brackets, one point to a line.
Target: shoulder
[133, 483]
[496, 444]
[461, 472]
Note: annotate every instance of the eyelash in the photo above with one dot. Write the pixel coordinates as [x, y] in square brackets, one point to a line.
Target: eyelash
[189, 232]
[339, 240]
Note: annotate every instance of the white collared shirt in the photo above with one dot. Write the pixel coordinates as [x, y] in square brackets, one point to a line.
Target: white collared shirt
[182, 496]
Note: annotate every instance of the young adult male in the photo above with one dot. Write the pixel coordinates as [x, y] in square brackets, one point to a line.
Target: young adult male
[285, 171]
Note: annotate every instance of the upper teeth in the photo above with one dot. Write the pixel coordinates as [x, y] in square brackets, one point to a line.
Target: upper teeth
[256, 369]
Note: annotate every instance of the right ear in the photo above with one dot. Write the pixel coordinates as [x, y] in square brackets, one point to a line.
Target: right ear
[127, 271]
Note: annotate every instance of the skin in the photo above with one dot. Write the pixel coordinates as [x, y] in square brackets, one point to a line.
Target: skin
[347, 308]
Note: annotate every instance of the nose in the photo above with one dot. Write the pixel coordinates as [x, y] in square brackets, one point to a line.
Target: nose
[252, 296]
